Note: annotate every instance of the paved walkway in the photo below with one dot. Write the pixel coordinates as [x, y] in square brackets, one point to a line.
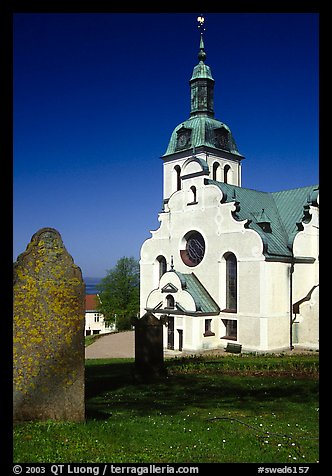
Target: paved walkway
[118, 345]
[110, 346]
[122, 345]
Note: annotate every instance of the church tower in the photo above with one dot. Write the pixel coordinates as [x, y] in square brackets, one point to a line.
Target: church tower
[201, 138]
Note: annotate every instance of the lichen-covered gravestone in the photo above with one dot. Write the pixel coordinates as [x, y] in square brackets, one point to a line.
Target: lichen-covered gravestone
[49, 295]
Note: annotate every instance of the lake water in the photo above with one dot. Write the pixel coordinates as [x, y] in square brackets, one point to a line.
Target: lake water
[90, 285]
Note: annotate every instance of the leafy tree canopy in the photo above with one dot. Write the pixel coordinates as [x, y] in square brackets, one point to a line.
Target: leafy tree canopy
[119, 293]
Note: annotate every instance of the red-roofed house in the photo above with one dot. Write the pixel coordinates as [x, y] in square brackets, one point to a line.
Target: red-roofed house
[94, 320]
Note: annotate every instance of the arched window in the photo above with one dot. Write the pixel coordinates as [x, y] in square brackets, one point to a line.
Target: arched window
[177, 169]
[231, 282]
[162, 265]
[193, 195]
[170, 302]
[226, 170]
[215, 168]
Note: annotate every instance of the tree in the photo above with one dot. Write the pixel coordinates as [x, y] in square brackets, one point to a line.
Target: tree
[119, 293]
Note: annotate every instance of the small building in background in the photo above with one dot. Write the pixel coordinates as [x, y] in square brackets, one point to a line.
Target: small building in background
[94, 320]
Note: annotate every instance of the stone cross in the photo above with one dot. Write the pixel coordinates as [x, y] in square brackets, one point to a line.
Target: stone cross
[49, 295]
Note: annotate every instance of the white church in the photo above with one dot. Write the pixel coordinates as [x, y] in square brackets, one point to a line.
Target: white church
[228, 265]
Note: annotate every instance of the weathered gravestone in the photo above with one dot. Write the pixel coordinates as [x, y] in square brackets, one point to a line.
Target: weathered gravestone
[49, 298]
[149, 352]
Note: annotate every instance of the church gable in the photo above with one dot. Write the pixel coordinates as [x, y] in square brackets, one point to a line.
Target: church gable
[275, 216]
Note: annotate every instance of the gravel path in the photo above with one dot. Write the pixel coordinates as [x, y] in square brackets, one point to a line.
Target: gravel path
[122, 345]
[110, 346]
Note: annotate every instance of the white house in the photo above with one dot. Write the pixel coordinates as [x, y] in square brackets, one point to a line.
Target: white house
[94, 320]
[227, 263]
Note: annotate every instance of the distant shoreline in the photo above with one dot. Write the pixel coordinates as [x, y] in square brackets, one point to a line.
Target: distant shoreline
[91, 285]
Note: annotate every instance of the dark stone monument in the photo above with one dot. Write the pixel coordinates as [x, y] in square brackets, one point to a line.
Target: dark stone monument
[49, 295]
[149, 353]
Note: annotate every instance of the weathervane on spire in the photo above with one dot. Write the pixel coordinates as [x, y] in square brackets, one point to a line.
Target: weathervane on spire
[201, 54]
[201, 20]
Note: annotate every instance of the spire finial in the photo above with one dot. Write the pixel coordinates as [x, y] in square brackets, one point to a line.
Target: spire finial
[201, 54]
[201, 20]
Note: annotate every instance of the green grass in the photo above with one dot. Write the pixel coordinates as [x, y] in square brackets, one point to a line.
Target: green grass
[234, 408]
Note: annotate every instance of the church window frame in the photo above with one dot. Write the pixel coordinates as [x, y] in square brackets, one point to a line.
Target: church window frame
[208, 328]
[177, 170]
[170, 302]
[231, 330]
[231, 282]
[193, 248]
[227, 168]
[215, 171]
[162, 265]
[193, 195]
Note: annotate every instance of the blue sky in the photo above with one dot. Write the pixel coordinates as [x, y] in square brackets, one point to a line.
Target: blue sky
[96, 97]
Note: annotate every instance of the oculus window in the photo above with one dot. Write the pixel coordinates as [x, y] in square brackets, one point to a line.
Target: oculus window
[194, 250]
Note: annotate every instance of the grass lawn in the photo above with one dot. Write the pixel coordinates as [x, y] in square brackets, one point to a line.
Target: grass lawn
[233, 408]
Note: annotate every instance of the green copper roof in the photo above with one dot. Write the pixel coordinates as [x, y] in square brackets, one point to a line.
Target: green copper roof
[202, 131]
[276, 216]
[203, 301]
[201, 71]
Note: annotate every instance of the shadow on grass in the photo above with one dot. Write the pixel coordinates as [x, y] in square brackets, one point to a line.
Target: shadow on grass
[110, 387]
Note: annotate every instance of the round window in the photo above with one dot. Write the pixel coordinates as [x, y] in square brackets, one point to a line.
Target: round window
[194, 250]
